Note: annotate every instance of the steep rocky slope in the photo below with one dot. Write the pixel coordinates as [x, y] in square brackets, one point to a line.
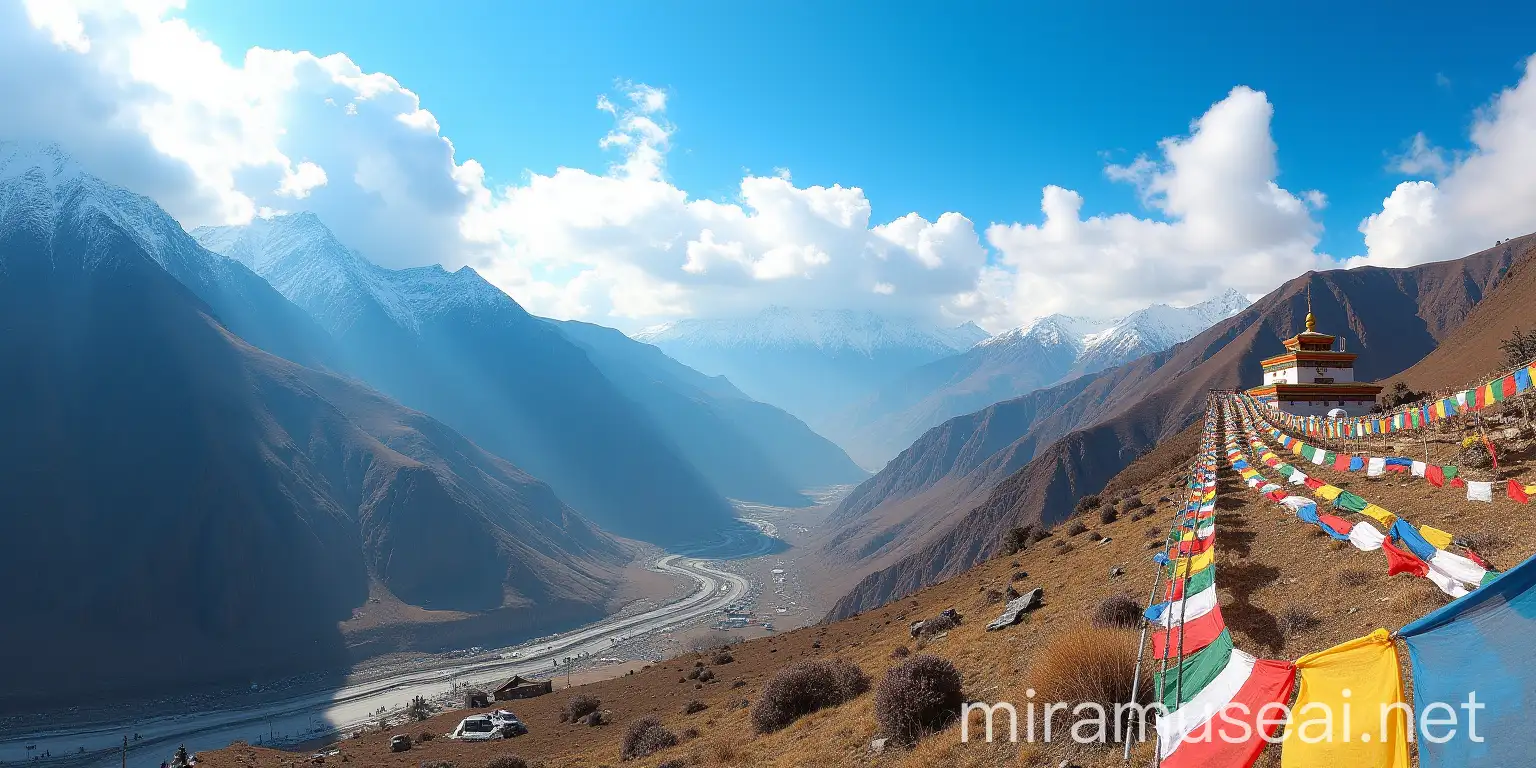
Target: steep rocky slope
[746, 449]
[812, 363]
[1049, 351]
[1071, 439]
[455, 346]
[183, 509]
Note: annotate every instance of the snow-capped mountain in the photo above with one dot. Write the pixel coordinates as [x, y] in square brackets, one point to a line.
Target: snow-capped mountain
[1041, 353]
[45, 194]
[812, 363]
[456, 346]
[829, 330]
[1098, 344]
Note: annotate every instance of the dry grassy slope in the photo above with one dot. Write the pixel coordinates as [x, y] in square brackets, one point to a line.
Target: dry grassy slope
[1268, 563]
[1391, 317]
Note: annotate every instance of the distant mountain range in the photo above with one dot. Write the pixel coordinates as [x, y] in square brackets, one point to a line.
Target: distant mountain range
[183, 508]
[557, 398]
[1047, 351]
[941, 505]
[812, 363]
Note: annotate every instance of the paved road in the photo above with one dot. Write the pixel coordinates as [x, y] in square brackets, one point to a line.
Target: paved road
[352, 706]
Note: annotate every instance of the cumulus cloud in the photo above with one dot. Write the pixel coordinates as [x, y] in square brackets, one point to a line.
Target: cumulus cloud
[1487, 194]
[1419, 158]
[636, 247]
[147, 102]
[1225, 223]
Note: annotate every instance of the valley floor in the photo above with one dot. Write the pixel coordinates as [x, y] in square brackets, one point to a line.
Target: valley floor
[1274, 569]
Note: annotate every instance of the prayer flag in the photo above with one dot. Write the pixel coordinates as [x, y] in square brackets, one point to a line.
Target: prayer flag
[1360, 675]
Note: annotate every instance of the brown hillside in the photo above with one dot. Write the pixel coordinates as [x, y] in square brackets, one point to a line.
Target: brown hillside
[1269, 565]
[1077, 436]
[1471, 352]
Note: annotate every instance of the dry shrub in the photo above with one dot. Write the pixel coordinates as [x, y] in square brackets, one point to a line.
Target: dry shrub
[438, 764]
[722, 657]
[425, 736]
[1076, 528]
[805, 687]
[646, 737]
[1118, 612]
[1064, 549]
[1107, 515]
[676, 762]
[1090, 666]
[578, 707]
[694, 706]
[994, 596]
[693, 674]
[900, 652]
[1356, 577]
[1094, 536]
[594, 719]
[1153, 532]
[507, 761]
[689, 734]
[1297, 619]
[917, 697]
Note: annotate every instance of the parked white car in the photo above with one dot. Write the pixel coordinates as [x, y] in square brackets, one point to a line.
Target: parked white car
[476, 728]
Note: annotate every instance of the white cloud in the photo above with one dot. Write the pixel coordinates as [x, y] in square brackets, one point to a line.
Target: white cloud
[1487, 194]
[1419, 158]
[146, 101]
[1226, 223]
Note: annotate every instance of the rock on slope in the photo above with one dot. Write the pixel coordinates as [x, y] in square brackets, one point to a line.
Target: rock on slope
[455, 346]
[182, 509]
[746, 449]
[812, 363]
[1070, 439]
[1047, 351]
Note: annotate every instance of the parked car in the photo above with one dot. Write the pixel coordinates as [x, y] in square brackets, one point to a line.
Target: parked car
[476, 728]
[400, 743]
[508, 723]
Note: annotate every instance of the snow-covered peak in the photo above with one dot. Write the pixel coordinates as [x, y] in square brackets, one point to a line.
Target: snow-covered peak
[824, 329]
[306, 262]
[54, 166]
[1051, 331]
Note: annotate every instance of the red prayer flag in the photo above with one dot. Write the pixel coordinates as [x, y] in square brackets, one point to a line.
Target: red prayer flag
[1197, 634]
[1517, 492]
[1457, 482]
[1474, 557]
[1400, 561]
[1341, 462]
[1481, 399]
[1435, 475]
[1275, 495]
[1509, 385]
[1337, 523]
[1314, 483]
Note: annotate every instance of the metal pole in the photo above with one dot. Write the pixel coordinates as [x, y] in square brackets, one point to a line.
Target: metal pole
[1141, 649]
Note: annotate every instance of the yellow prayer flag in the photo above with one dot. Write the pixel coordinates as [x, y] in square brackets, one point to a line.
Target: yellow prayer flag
[1328, 492]
[1186, 566]
[1379, 515]
[1440, 539]
[1374, 733]
[1297, 446]
[1439, 409]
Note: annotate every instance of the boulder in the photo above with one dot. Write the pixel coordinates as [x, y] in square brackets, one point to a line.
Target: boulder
[1014, 611]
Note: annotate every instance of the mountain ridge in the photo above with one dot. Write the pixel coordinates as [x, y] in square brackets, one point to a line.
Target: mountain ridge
[1075, 436]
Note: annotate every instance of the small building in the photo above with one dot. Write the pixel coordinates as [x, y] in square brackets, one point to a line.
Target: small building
[520, 687]
[1311, 378]
[476, 699]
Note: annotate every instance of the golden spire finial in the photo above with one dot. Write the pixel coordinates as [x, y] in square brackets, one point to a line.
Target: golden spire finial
[1311, 321]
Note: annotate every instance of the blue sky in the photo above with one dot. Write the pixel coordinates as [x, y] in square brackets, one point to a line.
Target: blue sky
[632, 164]
[971, 107]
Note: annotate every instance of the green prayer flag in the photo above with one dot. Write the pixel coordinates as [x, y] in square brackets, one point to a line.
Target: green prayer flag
[1180, 684]
[1350, 502]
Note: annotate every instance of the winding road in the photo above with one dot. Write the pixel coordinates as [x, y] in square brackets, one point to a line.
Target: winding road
[316, 714]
